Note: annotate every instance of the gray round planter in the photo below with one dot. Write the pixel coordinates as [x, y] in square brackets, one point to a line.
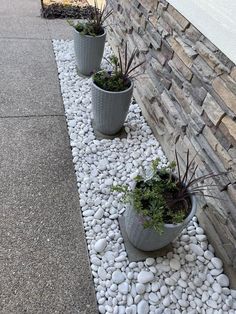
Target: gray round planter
[88, 52]
[110, 109]
[148, 239]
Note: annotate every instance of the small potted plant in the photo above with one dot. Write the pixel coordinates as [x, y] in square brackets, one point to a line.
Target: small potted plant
[161, 204]
[89, 40]
[112, 92]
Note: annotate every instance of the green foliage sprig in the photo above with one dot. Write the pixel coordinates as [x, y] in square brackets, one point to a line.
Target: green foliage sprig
[119, 78]
[94, 25]
[160, 197]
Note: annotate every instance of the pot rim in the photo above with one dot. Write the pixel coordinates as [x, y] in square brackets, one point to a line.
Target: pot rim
[89, 36]
[112, 92]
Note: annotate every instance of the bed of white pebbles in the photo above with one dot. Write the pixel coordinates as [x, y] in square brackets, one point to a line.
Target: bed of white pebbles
[188, 280]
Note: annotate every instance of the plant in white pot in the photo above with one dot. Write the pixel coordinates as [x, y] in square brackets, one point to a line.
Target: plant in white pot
[89, 40]
[112, 92]
[161, 204]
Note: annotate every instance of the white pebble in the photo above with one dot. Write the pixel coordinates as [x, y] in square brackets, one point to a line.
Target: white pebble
[100, 245]
[145, 276]
[118, 277]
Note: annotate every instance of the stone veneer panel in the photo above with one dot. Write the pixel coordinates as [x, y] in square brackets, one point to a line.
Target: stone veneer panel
[188, 96]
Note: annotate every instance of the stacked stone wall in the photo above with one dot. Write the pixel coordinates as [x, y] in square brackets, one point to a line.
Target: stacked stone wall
[188, 96]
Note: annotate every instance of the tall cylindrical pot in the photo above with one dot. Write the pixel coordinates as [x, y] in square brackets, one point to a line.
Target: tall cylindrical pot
[147, 239]
[110, 109]
[88, 52]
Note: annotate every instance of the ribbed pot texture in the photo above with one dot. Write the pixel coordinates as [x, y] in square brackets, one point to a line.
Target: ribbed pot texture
[88, 52]
[148, 239]
[110, 109]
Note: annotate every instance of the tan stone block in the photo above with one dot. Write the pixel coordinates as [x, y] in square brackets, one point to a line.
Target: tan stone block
[181, 67]
[213, 110]
[192, 33]
[172, 22]
[203, 69]
[140, 44]
[230, 83]
[225, 94]
[207, 55]
[181, 98]
[153, 20]
[182, 21]
[233, 73]
[181, 53]
[230, 126]
[188, 47]
[211, 139]
[172, 112]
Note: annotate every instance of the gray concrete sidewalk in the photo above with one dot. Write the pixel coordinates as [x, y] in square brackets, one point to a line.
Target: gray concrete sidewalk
[44, 264]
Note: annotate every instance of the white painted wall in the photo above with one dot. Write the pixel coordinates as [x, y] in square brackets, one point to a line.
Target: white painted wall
[216, 19]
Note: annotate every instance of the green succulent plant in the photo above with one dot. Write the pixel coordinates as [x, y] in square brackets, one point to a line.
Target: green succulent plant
[94, 24]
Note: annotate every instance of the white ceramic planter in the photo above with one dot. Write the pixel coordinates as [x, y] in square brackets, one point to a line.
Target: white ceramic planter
[88, 52]
[110, 109]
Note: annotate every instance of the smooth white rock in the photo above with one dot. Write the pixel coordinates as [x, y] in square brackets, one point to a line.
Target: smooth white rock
[153, 297]
[100, 245]
[143, 307]
[150, 261]
[196, 249]
[140, 288]
[123, 288]
[118, 277]
[96, 261]
[175, 264]
[212, 304]
[99, 213]
[102, 273]
[166, 301]
[217, 262]
[223, 280]
[164, 291]
[145, 277]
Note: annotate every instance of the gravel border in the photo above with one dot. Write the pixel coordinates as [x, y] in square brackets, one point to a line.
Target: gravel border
[189, 279]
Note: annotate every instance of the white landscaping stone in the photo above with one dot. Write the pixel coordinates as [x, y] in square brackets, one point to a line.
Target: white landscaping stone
[150, 261]
[208, 255]
[223, 280]
[118, 277]
[102, 273]
[140, 288]
[99, 213]
[164, 291]
[175, 264]
[143, 307]
[197, 249]
[190, 279]
[153, 297]
[217, 262]
[166, 302]
[100, 245]
[123, 288]
[145, 276]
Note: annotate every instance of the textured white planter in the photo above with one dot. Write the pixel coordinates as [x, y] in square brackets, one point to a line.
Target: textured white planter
[110, 109]
[148, 239]
[88, 52]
